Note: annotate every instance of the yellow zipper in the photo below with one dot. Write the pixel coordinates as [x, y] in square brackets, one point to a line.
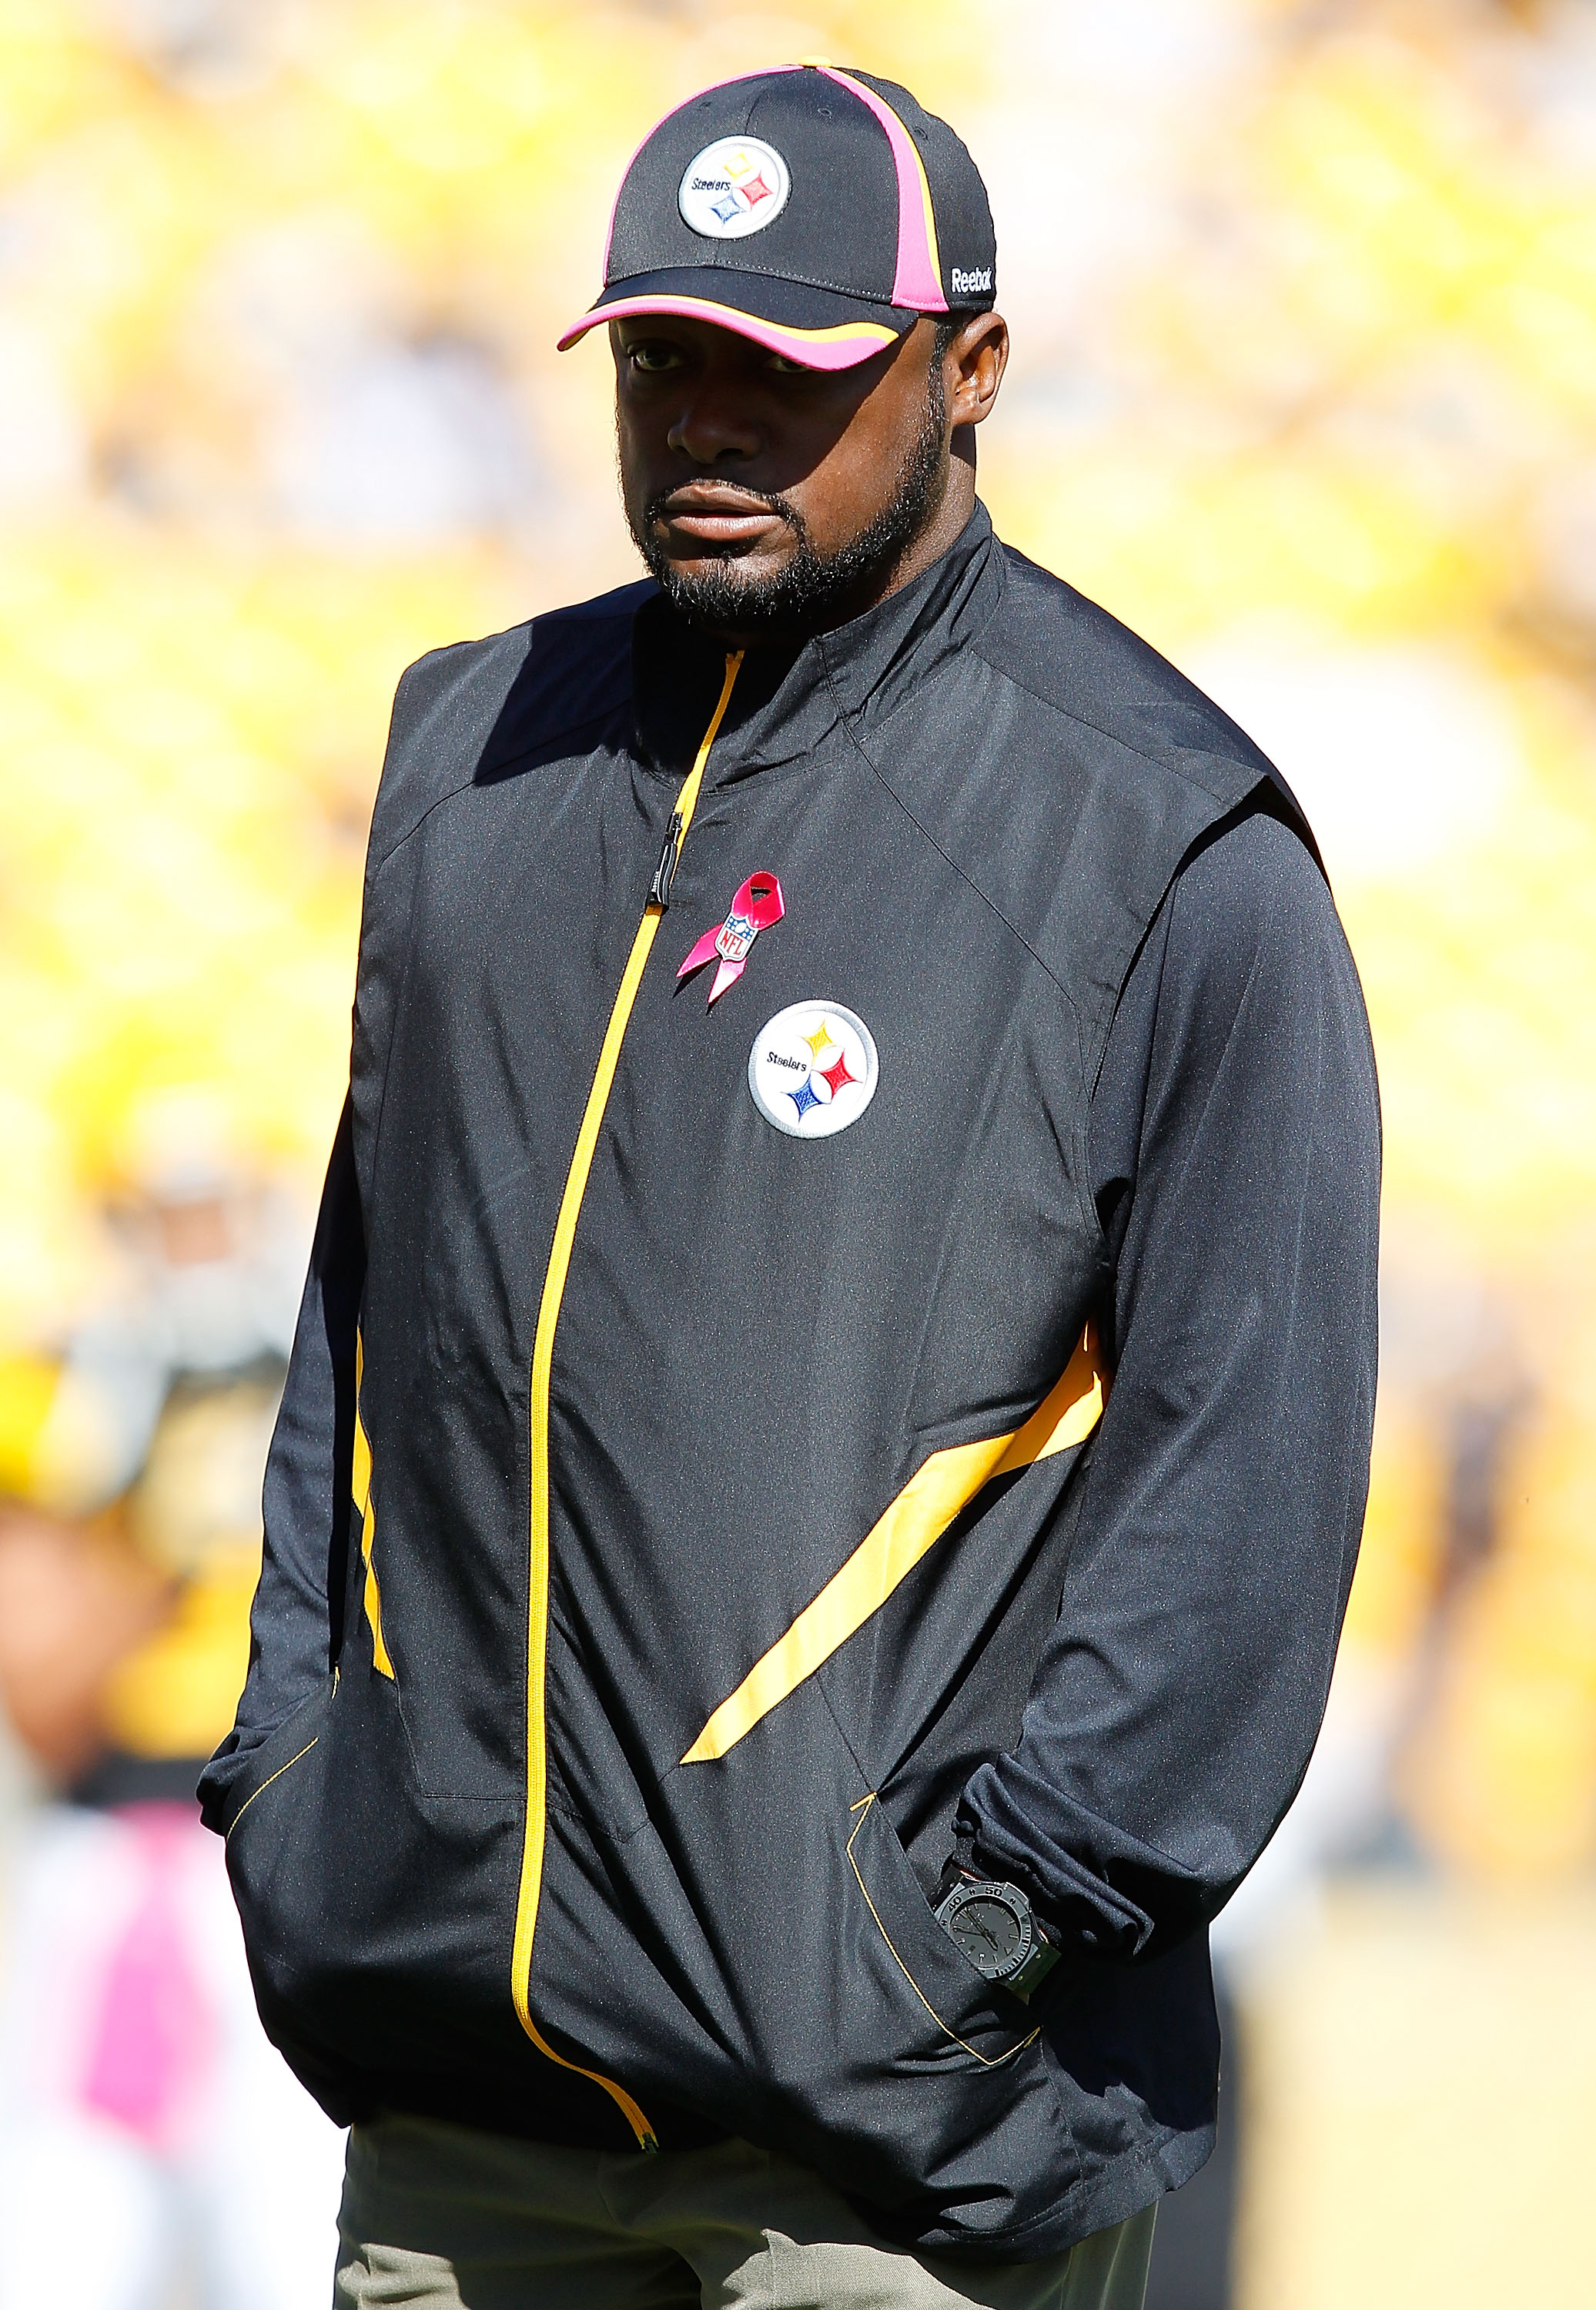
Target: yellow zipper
[542, 1358]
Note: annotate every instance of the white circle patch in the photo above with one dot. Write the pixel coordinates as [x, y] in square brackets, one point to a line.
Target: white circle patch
[737, 185]
[814, 1070]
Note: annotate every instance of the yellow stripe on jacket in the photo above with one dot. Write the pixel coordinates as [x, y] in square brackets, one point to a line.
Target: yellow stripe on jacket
[938, 1491]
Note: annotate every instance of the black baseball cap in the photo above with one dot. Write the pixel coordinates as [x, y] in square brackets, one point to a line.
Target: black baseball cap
[817, 212]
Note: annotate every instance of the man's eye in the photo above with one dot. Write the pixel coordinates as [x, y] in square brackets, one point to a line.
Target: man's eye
[786, 367]
[654, 359]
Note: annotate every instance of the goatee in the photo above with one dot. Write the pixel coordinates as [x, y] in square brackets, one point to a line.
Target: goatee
[812, 591]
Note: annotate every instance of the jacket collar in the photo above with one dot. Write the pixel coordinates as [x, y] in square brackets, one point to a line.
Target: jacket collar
[871, 660]
[783, 704]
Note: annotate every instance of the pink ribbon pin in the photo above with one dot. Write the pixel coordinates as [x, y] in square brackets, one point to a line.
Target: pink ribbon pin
[756, 907]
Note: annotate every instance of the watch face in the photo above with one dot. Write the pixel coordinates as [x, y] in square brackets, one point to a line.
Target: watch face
[991, 1932]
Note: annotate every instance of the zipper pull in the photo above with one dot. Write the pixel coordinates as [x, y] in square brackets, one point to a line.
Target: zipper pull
[664, 873]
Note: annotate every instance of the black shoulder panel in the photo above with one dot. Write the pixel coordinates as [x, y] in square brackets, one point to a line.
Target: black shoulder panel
[1077, 656]
[462, 712]
[1066, 770]
[1142, 766]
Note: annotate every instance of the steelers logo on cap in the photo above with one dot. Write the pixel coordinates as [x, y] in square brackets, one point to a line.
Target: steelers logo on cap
[814, 1070]
[737, 185]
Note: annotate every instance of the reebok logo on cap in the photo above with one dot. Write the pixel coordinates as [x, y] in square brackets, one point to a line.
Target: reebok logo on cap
[806, 209]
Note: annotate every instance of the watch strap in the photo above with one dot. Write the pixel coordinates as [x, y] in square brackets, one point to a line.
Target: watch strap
[1036, 1968]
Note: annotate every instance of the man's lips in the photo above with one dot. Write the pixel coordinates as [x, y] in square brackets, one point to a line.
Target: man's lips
[720, 516]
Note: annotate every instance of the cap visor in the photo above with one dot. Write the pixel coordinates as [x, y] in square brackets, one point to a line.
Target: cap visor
[818, 328]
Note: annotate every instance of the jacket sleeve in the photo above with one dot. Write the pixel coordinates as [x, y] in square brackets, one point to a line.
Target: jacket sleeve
[1235, 1147]
[295, 1624]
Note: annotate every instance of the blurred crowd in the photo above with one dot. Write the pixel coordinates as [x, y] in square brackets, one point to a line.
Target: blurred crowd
[1304, 387]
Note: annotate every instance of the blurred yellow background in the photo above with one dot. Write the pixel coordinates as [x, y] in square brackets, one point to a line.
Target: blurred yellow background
[1304, 387]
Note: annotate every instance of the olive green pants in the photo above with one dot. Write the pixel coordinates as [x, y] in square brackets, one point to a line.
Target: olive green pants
[440, 2217]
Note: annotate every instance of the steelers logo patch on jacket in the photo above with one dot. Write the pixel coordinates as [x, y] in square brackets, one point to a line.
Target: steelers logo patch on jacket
[813, 1069]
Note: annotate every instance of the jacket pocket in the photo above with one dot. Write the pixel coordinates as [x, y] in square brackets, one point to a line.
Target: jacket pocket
[964, 2019]
[372, 1916]
[266, 1834]
[283, 1749]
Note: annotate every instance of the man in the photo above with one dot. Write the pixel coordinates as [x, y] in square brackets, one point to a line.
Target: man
[845, 1307]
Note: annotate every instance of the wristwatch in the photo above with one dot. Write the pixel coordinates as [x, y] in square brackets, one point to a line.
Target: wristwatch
[994, 1926]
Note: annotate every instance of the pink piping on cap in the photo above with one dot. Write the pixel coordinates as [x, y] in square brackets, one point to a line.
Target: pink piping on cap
[659, 124]
[916, 282]
[840, 348]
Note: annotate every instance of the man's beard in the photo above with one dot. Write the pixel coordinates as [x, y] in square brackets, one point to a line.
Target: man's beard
[812, 591]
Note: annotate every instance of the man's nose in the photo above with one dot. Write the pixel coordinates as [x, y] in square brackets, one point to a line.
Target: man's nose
[714, 428]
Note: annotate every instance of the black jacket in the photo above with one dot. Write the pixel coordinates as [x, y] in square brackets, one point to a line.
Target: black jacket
[736, 1517]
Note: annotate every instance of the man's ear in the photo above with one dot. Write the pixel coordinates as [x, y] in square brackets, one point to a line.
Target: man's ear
[973, 368]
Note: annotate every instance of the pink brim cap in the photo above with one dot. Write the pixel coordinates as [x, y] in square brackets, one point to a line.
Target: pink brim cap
[843, 346]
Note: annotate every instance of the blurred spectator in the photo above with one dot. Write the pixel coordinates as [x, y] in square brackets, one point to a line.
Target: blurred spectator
[135, 2084]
